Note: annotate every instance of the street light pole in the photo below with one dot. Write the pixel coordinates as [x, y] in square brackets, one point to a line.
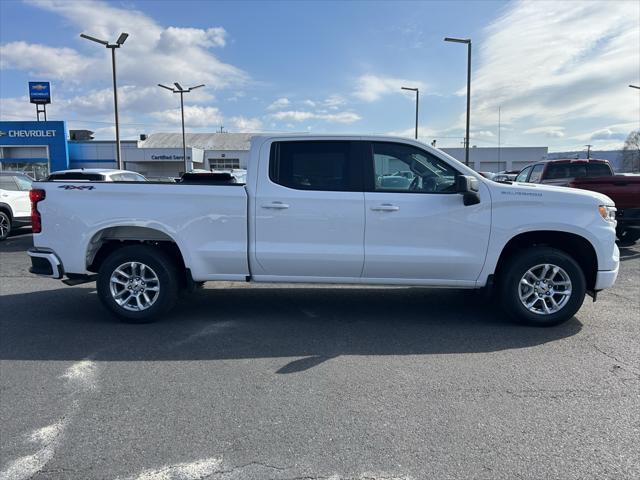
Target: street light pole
[467, 140]
[178, 89]
[119, 42]
[417, 103]
[635, 86]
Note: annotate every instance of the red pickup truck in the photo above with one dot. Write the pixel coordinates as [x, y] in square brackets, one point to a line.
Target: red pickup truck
[624, 190]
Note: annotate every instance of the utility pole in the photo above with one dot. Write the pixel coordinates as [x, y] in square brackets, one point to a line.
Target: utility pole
[588, 151]
[467, 41]
[499, 151]
[119, 42]
[182, 91]
[417, 102]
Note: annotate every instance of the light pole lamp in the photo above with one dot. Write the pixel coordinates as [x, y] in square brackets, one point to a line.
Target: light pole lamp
[119, 42]
[468, 42]
[178, 89]
[417, 102]
[635, 86]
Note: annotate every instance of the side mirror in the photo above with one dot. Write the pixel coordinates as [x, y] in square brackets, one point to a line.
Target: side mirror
[468, 187]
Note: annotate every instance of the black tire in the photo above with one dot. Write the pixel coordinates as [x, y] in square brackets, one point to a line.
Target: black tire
[160, 264]
[5, 226]
[628, 236]
[510, 281]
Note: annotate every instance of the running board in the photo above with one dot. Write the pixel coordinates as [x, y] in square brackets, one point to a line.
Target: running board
[80, 279]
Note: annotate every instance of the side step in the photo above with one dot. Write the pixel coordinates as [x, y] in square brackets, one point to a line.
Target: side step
[74, 280]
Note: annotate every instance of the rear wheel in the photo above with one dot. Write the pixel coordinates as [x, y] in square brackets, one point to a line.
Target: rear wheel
[5, 226]
[138, 283]
[542, 287]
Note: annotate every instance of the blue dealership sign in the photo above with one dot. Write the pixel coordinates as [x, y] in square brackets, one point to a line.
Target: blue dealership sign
[53, 135]
[40, 92]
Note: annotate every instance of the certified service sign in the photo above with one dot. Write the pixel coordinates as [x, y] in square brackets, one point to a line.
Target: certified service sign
[40, 92]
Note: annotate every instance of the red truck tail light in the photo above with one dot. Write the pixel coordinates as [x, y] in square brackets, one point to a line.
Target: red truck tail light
[36, 195]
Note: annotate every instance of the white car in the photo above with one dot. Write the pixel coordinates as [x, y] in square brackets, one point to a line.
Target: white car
[15, 207]
[312, 211]
[96, 175]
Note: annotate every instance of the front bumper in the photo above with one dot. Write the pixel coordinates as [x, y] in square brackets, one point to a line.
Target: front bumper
[45, 263]
[606, 279]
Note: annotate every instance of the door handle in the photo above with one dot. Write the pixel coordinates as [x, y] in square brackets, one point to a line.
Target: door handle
[276, 205]
[385, 207]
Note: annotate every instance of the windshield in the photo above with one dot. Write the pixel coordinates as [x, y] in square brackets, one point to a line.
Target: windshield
[24, 182]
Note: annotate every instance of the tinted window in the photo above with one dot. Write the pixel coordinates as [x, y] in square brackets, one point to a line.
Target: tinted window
[315, 165]
[522, 176]
[536, 173]
[404, 168]
[77, 176]
[24, 182]
[598, 170]
[7, 183]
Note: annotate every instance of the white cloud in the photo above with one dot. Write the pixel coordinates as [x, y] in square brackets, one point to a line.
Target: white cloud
[242, 124]
[372, 87]
[309, 103]
[194, 116]
[279, 103]
[301, 116]
[152, 53]
[549, 131]
[44, 61]
[559, 62]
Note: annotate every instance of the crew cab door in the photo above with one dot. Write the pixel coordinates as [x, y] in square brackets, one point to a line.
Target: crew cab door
[309, 211]
[417, 228]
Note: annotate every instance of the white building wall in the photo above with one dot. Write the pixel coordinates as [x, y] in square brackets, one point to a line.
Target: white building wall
[494, 159]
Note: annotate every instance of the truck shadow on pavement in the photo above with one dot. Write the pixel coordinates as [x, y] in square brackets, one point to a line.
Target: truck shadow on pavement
[305, 325]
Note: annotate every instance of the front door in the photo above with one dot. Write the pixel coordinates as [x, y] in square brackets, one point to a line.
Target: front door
[309, 212]
[417, 227]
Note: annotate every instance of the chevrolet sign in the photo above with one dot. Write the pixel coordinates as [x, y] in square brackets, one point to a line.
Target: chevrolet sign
[40, 92]
[28, 133]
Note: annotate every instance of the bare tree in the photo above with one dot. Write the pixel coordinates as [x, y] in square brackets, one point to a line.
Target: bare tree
[631, 153]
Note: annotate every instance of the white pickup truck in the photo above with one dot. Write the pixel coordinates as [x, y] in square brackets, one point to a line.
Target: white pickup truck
[330, 209]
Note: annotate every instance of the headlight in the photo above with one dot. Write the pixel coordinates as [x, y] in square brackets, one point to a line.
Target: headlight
[608, 213]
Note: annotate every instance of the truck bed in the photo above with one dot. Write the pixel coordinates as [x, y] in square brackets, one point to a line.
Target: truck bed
[207, 222]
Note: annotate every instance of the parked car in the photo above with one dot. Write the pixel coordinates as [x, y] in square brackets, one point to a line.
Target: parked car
[15, 208]
[311, 212]
[562, 171]
[624, 190]
[96, 175]
[505, 176]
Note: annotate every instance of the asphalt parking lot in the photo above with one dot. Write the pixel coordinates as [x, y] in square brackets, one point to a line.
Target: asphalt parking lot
[268, 382]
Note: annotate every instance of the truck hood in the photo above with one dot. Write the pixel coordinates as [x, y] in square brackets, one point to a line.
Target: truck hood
[537, 191]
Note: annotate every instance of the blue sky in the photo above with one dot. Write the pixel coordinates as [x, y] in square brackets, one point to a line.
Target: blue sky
[557, 70]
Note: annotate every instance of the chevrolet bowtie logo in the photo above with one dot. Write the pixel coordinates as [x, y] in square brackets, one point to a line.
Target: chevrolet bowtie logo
[2, 134]
[39, 87]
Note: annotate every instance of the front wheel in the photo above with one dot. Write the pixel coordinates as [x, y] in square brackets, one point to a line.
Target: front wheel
[542, 286]
[138, 283]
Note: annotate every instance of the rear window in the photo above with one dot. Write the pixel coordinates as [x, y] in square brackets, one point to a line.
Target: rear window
[575, 170]
[71, 176]
[314, 165]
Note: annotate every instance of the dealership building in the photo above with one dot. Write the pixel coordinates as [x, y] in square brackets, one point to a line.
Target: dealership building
[47, 146]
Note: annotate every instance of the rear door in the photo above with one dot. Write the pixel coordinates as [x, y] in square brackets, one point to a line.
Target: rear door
[419, 230]
[309, 211]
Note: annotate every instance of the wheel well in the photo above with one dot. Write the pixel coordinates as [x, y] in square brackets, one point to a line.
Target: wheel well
[6, 209]
[105, 242]
[577, 247]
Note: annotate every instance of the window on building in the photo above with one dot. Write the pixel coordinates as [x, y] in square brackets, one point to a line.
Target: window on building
[224, 163]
